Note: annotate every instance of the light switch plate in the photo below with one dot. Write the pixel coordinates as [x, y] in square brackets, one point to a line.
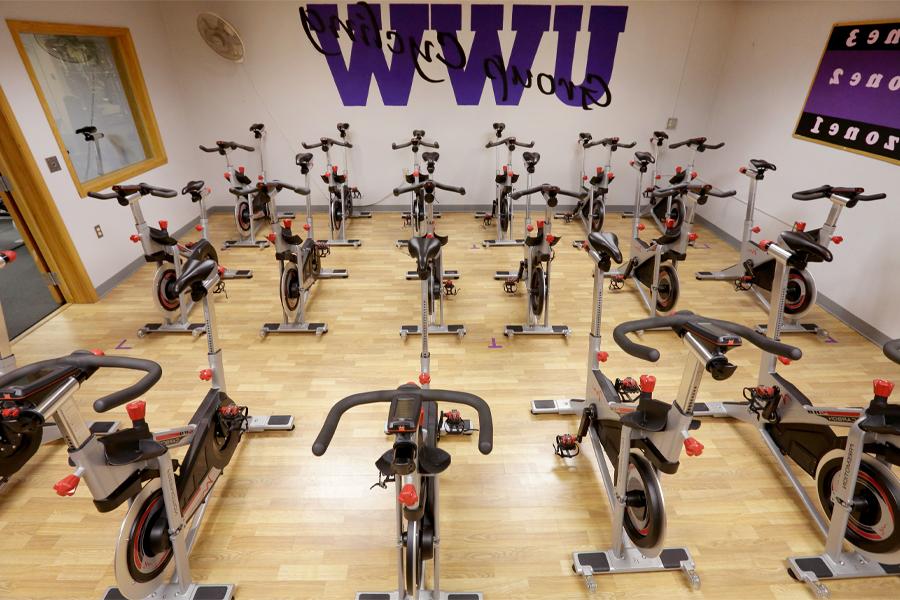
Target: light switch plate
[99, 231]
[672, 123]
[53, 164]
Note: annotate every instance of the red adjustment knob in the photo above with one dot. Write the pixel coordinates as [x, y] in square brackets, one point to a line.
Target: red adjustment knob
[648, 382]
[208, 190]
[136, 410]
[584, 177]
[135, 238]
[693, 174]
[883, 387]
[10, 413]
[678, 170]
[511, 172]
[306, 227]
[784, 360]
[221, 271]
[206, 374]
[659, 176]
[198, 227]
[641, 227]
[416, 173]
[692, 237]
[504, 168]
[599, 170]
[670, 223]
[98, 352]
[429, 235]
[742, 170]
[837, 239]
[424, 378]
[271, 237]
[227, 176]
[259, 178]
[334, 168]
[602, 356]
[287, 223]
[540, 223]
[693, 447]
[67, 485]
[241, 170]
[631, 163]
[800, 225]
[550, 238]
[611, 176]
[764, 244]
[163, 224]
[756, 229]
[529, 227]
[408, 496]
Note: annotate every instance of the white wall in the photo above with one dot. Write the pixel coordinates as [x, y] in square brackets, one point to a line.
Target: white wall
[287, 85]
[770, 61]
[105, 257]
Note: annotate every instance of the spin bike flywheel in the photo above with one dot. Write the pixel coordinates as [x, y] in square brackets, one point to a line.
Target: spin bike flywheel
[872, 529]
[337, 215]
[419, 536]
[800, 294]
[348, 200]
[290, 289]
[22, 440]
[164, 290]
[645, 509]
[667, 289]
[599, 215]
[242, 215]
[537, 291]
[504, 212]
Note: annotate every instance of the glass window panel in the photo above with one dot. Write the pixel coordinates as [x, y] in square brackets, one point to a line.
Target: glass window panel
[81, 82]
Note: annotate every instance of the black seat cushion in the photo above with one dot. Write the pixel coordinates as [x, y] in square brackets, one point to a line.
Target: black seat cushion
[194, 271]
[644, 157]
[193, 187]
[801, 243]
[605, 244]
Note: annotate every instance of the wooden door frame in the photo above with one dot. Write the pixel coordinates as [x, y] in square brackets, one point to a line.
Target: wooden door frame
[37, 209]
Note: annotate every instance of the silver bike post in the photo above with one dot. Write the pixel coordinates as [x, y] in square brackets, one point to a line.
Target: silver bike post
[776, 306]
[213, 351]
[436, 559]
[621, 489]
[425, 360]
[547, 219]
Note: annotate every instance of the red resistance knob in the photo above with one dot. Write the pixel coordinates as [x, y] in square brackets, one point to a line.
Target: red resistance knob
[692, 237]
[599, 170]
[742, 170]
[648, 382]
[287, 223]
[416, 173]
[631, 163]
[163, 224]
[756, 229]
[693, 447]
[670, 223]
[206, 374]
[306, 227]
[530, 228]
[641, 227]
[764, 244]
[135, 238]
[424, 378]
[98, 352]
[800, 225]
[540, 223]
[408, 496]
[837, 239]
[611, 176]
[602, 356]
[334, 169]
[67, 485]
[550, 238]
[429, 235]
[584, 177]
[271, 237]
[659, 177]
[198, 227]
[784, 360]
[227, 176]
[693, 174]
[883, 388]
[241, 170]
[137, 410]
[678, 170]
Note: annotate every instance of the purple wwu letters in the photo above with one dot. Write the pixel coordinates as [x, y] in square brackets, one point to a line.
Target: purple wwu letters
[510, 76]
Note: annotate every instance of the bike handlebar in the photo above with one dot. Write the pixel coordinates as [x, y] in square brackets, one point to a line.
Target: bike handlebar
[86, 360]
[326, 140]
[854, 194]
[223, 146]
[509, 140]
[699, 142]
[679, 320]
[610, 141]
[547, 190]
[892, 350]
[123, 191]
[429, 186]
[416, 142]
[280, 185]
[485, 423]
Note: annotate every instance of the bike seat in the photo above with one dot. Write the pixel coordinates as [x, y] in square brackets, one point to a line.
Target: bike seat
[425, 249]
[193, 187]
[802, 244]
[162, 237]
[645, 158]
[606, 245]
[651, 415]
[303, 159]
[430, 156]
[194, 271]
[762, 165]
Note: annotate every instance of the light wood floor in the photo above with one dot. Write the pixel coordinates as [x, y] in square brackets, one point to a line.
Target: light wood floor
[284, 524]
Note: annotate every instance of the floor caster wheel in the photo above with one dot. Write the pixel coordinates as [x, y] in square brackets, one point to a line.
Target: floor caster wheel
[141, 333]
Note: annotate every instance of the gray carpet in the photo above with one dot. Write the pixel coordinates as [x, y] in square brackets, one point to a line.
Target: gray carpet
[23, 293]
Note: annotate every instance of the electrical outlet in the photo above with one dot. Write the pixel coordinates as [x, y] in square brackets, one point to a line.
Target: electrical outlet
[53, 164]
[99, 231]
[672, 123]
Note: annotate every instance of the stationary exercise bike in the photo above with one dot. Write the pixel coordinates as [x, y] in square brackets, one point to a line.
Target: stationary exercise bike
[299, 261]
[198, 192]
[340, 193]
[169, 255]
[415, 218]
[427, 250]
[657, 151]
[534, 269]
[413, 465]
[756, 270]
[505, 178]
[92, 136]
[793, 427]
[166, 499]
[591, 210]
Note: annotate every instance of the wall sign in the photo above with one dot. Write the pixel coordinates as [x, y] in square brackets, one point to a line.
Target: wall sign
[854, 100]
[394, 57]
